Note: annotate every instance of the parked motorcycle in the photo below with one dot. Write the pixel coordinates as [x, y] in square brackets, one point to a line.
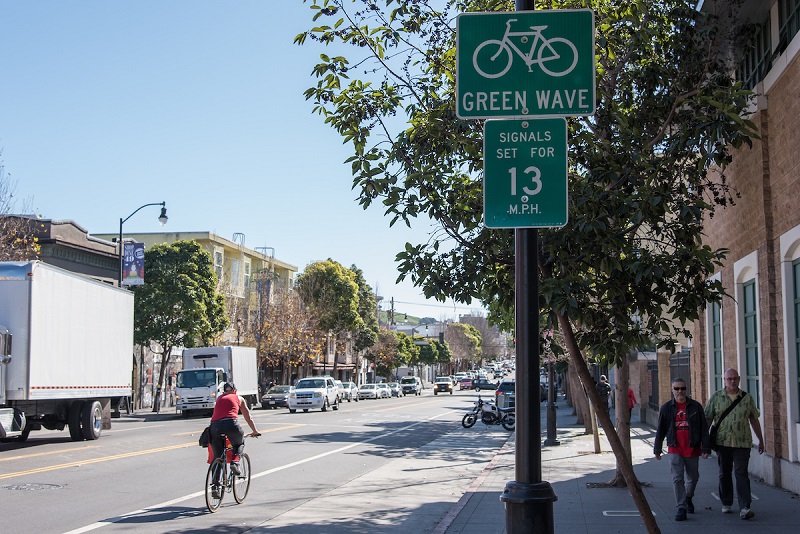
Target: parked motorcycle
[489, 414]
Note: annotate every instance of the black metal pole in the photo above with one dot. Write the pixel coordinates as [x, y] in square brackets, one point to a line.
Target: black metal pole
[550, 410]
[528, 499]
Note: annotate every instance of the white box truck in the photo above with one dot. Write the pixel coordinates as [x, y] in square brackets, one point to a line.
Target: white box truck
[66, 351]
[205, 371]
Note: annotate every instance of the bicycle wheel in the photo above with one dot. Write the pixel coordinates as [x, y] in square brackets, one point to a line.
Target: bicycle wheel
[557, 56]
[241, 482]
[489, 60]
[215, 480]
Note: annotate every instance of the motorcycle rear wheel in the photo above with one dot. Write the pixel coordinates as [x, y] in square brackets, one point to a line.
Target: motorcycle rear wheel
[469, 420]
[508, 422]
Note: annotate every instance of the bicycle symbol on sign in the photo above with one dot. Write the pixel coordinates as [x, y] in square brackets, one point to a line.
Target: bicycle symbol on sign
[560, 53]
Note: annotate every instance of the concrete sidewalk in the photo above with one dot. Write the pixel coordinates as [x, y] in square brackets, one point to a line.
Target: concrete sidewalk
[586, 505]
[453, 484]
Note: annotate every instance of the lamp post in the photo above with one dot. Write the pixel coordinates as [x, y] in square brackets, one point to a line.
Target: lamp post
[238, 329]
[161, 218]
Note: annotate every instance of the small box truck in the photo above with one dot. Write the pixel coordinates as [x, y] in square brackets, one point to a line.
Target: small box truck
[205, 371]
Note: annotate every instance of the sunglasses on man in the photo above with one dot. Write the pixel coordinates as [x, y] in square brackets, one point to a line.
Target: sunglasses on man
[680, 389]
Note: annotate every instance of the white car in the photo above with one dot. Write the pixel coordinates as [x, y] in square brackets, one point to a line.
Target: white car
[314, 392]
[368, 391]
[384, 390]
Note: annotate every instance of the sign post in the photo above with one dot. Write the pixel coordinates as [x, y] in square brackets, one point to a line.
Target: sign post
[525, 65]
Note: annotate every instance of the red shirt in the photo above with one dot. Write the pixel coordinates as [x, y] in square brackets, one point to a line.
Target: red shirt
[682, 434]
[227, 407]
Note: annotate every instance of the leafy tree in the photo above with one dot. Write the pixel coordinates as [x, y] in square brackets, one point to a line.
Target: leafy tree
[386, 354]
[366, 334]
[289, 336]
[630, 265]
[178, 305]
[331, 293]
[464, 341]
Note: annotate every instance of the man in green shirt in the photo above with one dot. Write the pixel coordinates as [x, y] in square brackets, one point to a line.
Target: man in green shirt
[735, 441]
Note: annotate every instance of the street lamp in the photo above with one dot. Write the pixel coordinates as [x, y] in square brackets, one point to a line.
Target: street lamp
[161, 218]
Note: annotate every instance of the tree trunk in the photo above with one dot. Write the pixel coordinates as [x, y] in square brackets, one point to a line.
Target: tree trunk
[579, 398]
[165, 357]
[623, 416]
[623, 461]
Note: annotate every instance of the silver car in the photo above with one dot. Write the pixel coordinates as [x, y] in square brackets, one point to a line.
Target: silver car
[369, 391]
[349, 391]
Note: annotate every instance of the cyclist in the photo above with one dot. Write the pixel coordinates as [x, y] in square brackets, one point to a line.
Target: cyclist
[225, 420]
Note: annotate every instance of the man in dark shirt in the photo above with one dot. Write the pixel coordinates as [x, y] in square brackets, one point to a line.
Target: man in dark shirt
[682, 422]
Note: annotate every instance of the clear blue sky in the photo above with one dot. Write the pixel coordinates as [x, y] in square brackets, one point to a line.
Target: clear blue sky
[105, 106]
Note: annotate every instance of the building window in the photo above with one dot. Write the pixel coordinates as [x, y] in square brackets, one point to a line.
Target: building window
[750, 317]
[246, 274]
[757, 57]
[796, 284]
[218, 258]
[236, 278]
[716, 344]
[789, 21]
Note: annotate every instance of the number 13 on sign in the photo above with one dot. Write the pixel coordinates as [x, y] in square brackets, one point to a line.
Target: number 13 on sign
[525, 173]
[536, 179]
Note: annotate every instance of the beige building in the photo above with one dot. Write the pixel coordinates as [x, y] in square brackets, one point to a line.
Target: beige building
[247, 277]
[757, 329]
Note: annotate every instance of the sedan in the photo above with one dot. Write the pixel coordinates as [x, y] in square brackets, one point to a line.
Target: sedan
[276, 397]
[465, 383]
[482, 383]
[384, 390]
[395, 389]
[350, 391]
[369, 391]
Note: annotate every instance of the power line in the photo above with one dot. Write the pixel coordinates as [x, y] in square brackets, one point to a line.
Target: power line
[439, 305]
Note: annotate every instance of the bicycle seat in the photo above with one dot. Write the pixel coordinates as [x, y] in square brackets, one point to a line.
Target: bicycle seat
[538, 28]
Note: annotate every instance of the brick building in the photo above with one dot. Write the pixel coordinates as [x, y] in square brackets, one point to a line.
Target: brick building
[757, 329]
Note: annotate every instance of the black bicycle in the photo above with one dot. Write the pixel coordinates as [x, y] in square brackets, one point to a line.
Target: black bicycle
[220, 478]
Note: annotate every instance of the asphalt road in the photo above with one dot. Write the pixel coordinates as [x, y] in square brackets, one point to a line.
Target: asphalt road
[147, 473]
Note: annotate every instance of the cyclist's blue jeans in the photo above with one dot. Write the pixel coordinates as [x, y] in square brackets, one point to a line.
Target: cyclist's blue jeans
[231, 428]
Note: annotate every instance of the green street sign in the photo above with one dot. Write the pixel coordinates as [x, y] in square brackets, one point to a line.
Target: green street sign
[525, 173]
[525, 64]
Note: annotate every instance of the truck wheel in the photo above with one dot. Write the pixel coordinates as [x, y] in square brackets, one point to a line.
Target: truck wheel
[292, 411]
[325, 405]
[92, 420]
[74, 421]
[336, 406]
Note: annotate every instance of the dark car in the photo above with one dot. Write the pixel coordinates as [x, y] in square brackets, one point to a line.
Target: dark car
[276, 397]
[505, 394]
[481, 383]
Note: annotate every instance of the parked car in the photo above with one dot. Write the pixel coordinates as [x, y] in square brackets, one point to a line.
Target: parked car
[384, 390]
[349, 391]
[368, 391]
[443, 384]
[505, 394]
[465, 383]
[411, 385]
[276, 397]
[395, 389]
[314, 392]
[482, 383]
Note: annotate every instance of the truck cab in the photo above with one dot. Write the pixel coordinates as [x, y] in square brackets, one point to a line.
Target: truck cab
[198, 389]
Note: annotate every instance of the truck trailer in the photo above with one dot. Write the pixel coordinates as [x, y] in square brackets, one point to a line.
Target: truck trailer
[66, 351]
[205, 371]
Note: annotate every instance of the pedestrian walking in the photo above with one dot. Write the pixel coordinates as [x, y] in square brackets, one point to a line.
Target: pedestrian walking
[604, 390]
[682, 422]
[734, 440]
